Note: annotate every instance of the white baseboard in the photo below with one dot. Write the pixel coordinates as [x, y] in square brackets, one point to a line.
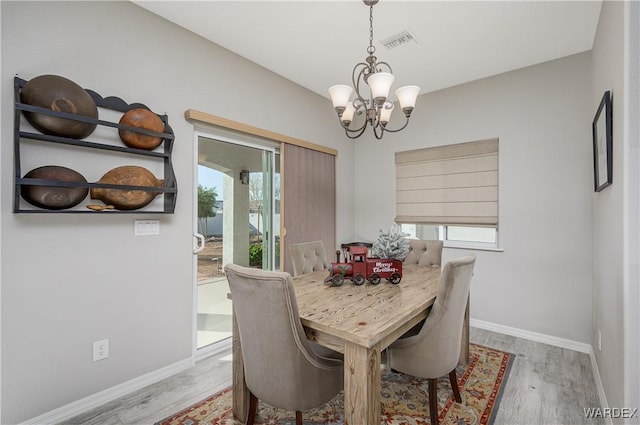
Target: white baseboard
[555, 341]
[98, 399]
[212, 350]
[599, 387]
[533, 336]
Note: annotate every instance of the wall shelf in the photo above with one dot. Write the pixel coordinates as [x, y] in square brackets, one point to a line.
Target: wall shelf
[94, 144]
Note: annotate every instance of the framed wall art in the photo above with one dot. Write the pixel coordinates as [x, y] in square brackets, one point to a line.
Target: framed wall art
[603, 144]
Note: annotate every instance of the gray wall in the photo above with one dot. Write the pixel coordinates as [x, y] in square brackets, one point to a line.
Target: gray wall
[69, 280]
[541, 115]
[608, 236]
[631, 230]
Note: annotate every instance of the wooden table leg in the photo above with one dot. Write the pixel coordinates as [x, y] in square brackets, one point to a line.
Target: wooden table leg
[240, 390]
[464, 347]
[362, 399]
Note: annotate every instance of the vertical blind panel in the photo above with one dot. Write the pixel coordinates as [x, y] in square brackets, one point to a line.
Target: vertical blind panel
[309, 199]
[453, 185]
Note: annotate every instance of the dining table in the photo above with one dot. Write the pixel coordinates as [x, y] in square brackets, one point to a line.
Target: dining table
[359, 321]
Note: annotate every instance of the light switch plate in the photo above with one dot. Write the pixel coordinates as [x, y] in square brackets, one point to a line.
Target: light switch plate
[146, 227]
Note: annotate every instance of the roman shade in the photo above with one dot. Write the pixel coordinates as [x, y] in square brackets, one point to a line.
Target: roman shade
[448, 185]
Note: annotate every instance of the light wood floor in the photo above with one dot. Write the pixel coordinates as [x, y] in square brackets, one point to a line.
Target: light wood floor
[547, 385]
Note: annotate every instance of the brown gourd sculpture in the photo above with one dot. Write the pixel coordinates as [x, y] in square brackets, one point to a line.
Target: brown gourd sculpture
[125, 199]
[61, 95]
[54, 197]
[145, 119]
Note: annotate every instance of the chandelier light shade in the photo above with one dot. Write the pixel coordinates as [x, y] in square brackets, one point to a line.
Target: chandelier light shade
[377, 107]
[407, 96]
[340, 95]
[380, 84]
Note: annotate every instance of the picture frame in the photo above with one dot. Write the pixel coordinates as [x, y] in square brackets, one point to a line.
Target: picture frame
[603, 144]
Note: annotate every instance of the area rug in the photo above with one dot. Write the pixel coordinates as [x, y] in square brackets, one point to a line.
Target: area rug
[404, 399]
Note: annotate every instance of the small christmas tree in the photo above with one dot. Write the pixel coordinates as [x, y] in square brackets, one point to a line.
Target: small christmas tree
[392, 244]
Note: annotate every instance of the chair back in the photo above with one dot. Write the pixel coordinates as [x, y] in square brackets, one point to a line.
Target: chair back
[308, 257]
[280, 366]
[424, 253]
[435, 350]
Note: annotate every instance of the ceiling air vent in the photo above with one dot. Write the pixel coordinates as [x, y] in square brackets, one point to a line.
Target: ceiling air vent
[398, 40]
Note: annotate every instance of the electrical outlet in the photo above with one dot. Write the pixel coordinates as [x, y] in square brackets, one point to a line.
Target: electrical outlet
[599, 340]
[100, 350]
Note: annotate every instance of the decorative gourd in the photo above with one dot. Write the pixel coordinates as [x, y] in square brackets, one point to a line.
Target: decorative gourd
[126, 199]
[61, 95]
[141, 118]
[52, 197]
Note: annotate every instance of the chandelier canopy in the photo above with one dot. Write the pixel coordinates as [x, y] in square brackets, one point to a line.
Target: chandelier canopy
[376, 109]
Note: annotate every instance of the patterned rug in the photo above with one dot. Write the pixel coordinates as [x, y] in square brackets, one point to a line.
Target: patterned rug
[404, 399]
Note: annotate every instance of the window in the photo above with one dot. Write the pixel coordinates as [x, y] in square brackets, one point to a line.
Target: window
[470, 234]
[455, 236]
[450, 193]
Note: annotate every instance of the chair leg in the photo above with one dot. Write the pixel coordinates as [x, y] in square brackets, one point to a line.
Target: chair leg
[454, 384]
[385, 359]
[433, 401]
[253, 409]
[298, 417]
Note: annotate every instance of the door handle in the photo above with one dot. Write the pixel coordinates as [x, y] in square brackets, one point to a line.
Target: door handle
[198, 244]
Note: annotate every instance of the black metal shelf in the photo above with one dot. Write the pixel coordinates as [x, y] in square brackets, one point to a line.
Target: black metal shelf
[169, 190]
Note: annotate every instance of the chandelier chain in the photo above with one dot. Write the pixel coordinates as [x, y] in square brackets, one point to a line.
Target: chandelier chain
[371, 50]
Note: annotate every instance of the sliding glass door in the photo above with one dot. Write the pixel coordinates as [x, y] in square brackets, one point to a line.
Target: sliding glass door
[267, 208]
[236, 221]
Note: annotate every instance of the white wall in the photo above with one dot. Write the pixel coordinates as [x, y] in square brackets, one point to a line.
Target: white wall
[541, 115]
[608, 246]
[69, 280]
[631, 231]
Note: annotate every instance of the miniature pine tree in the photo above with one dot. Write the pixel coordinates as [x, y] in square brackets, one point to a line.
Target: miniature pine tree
[392, 244]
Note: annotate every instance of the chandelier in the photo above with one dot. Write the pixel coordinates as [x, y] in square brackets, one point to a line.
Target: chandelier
[377, 109]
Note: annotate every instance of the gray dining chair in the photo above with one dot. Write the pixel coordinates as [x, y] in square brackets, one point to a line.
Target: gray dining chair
[308, 257]
[424, 253]
[435, 350]
[281, 367]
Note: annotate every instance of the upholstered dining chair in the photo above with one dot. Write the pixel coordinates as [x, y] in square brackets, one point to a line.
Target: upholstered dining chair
[281, 367]
[435, 350]
[308, 257]
[425, 253]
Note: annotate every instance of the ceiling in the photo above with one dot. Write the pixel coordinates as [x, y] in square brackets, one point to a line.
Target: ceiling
[317, 43]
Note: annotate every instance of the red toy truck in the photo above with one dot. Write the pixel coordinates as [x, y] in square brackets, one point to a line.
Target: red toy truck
[358, 267]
